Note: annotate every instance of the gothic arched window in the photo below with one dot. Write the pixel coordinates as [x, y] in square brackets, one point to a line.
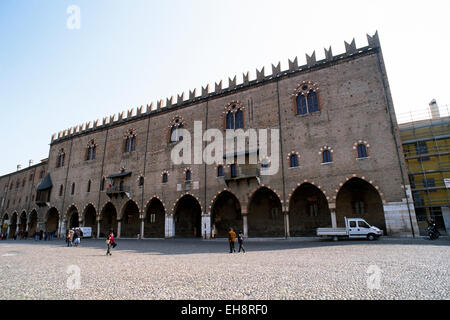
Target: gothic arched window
[306, 98]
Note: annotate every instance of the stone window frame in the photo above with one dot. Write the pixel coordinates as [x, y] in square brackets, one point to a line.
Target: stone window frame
[290, 155]
[355, 149]
[61, 158]
[326, 148]
[310, 85]
[91, 150]
[185, 174]
[175, 122]
[233, 107]
[165, 172]
[128, 137]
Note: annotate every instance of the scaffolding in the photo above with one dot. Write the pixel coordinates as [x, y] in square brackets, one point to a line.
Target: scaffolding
[425, 138]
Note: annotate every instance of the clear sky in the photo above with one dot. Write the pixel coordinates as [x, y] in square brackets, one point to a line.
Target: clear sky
[130, 53]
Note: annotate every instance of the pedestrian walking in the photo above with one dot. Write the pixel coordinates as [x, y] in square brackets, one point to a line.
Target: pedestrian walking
[232, 240]
[76, 238]
[110, 242]
[241, 241]
[70, 238]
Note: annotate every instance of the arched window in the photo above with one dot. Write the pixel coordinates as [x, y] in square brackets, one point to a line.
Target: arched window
[61, 156]
[102, 185]
[307, 99]
[362, 151]
[234, 118]
[130, 141]
[133, 143]
[91, 151]
[176, 134]
[326, 156]
[230, 120]
[188, 175]
[301, 104]
[127, 144]
[61, 189]
[164, 178]
[89, 186]
[294, 161]
[73, 188]
[141, 181]
[239, 119]
[220, 171]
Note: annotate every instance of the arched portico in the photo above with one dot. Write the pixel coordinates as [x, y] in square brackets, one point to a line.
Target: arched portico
[308, 210]
[359, 199]
[225, 214]
[265, 216]
[188, 217]
[154, 220]
[108, 218]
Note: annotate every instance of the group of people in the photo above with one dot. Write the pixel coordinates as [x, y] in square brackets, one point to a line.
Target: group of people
[73, 237]
[232, 239]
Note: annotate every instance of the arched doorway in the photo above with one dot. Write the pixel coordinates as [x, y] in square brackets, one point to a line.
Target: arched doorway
[154, 219]
[108, 220]
[90, 219]
[308, 210]
[23, 221]
[13, 225]
[32, 224]
[73, 217]
[188, 217]
[131, 224]
[265, 217]
[52, 222]
[359, 199]
[226, 214]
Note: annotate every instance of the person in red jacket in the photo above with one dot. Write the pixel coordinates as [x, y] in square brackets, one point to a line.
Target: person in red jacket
[110, 242]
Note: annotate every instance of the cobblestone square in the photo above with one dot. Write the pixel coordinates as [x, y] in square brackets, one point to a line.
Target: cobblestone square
[204, 269]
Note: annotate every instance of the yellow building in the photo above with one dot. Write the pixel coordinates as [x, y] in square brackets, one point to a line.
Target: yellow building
[426, 144]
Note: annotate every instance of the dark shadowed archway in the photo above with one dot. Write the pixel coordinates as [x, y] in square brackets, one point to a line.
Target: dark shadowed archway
[52, 221]
[23, 221]
[154, 222]
[359, 199]
[308, 210]
[108, 220]
[90, 219]
[73, 217]
[131, 224]
[32, 223]
[265, 217]
[13, 225]
[226, 214]
[188, 217]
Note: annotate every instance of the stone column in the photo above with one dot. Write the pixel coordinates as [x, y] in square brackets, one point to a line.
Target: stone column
[62, 228]
[244, 222]
[17, 229]
[169, 227]
[332, 207]
[119, 225]
[142, 228]
[9, 229]
[206, 227]
[98, 229]
[286, 221]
